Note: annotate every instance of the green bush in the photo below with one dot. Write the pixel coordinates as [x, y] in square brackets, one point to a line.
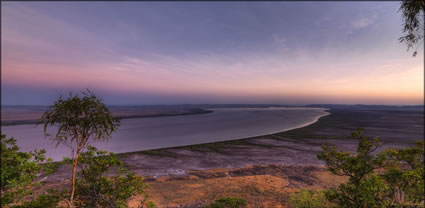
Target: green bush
[95, 188]
[309, 199]
[228, 202]
[49, 200]
[404, 173]
[391, 178]
[364, 188]
[18, 171]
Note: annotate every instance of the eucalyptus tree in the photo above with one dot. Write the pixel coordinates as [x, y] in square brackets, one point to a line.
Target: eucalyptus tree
[79, 121]
[413, 14]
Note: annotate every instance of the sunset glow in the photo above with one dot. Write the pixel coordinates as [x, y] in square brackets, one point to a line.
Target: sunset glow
[161, 53]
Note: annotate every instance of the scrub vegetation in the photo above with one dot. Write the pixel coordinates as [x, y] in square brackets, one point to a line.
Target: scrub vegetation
[391, 178]
[228, 202]
[102, 180]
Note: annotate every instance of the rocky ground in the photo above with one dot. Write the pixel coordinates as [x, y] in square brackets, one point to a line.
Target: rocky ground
[260, 185]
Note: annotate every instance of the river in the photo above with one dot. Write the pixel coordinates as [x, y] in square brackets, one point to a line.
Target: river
[159, 132]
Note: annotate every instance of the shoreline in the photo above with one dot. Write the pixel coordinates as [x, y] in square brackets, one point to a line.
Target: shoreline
[316, 119]
[246, 128]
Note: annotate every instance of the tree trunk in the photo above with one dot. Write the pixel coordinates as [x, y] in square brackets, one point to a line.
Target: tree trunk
[74, 170]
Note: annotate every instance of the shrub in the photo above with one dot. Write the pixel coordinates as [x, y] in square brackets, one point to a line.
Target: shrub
[363, 189]
[49, 200]
[309, 199]
[18, 170]
[404, 173]
[95, 188]
[228, 202]
[392, 178]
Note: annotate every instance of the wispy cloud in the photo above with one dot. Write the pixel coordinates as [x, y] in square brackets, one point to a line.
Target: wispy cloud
[360, 23]
[132, 60]
[363, 22]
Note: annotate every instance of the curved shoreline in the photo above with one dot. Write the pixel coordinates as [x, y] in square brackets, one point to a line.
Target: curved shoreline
[148, 151]
[298, 146]
[253, 124]
[325, 110]
[181, 160]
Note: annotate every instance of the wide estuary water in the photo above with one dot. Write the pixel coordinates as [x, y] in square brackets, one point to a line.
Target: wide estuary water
[150, 133]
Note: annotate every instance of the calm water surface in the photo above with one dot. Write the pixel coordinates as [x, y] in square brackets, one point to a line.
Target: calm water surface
[159, 132]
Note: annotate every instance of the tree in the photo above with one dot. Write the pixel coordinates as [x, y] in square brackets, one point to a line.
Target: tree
[413, 12]
[391, 178]
[18, 170]
[364, 188]
[79, 120]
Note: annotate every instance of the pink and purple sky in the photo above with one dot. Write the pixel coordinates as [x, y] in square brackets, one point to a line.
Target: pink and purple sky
[208, 52]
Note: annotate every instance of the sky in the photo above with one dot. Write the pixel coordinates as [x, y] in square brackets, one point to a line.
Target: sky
[208, 52]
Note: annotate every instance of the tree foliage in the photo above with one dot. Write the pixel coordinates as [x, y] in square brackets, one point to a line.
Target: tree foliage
[363, 187]
[391, 178]
[104, 182]
[49, 200]
[309, 199]
[405, 175]
[18, 170]
[79, 120]
[413, 12]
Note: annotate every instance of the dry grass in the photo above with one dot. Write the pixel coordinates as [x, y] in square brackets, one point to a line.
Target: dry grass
[262, 190]
[260, 185]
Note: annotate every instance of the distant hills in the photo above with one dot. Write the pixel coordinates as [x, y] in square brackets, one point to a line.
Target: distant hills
[369, 107]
